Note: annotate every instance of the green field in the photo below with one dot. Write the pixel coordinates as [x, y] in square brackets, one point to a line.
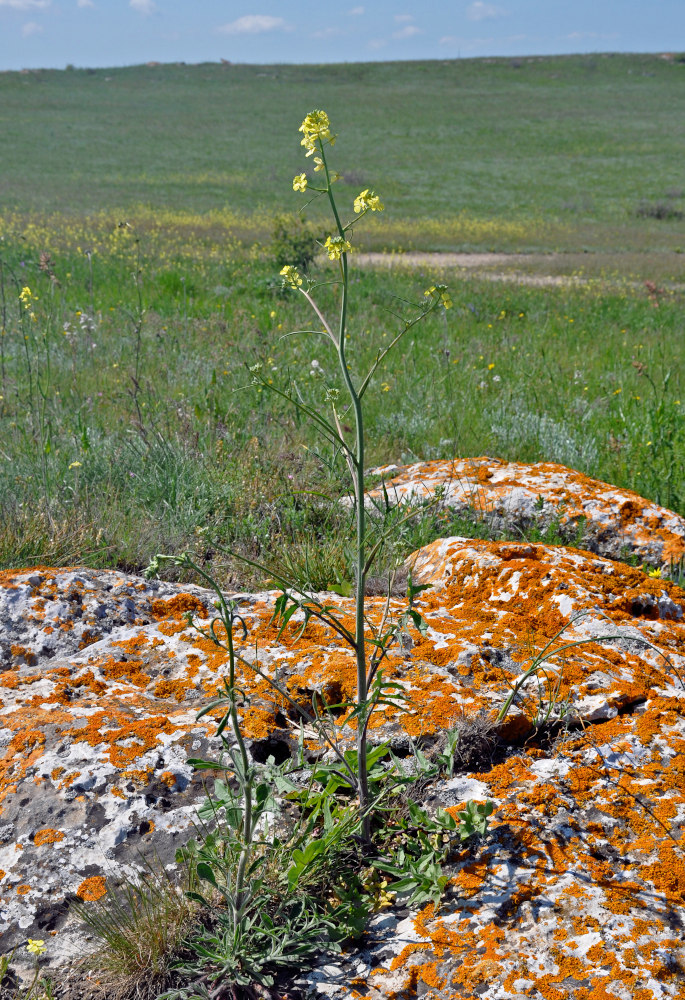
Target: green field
[539, 153]
[125, 425]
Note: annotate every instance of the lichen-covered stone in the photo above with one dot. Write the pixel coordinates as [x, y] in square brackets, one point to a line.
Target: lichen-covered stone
[578, 890]
[611, 521]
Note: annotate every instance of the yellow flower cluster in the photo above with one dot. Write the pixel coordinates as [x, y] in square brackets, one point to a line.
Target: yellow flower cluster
[27, 297]
[440, 291]
[300, 182]
[368, 201]
[336, 246]
[291, 276]
[316, 128]
[36, 947]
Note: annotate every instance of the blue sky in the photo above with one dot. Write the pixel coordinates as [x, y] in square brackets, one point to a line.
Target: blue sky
[52, 33]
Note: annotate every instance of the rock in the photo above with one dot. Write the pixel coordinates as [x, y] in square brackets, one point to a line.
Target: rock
[578, 888]
[612, 522]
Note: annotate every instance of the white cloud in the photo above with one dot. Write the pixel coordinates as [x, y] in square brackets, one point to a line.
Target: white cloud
[85, 3]
[26, 4]
[579, 36]
[143, 6]
[327, 33]
[254, 24]
[31, 28]
[356, 11]
[449, 40]
[480, 11]
[403, 18]
[408, 32]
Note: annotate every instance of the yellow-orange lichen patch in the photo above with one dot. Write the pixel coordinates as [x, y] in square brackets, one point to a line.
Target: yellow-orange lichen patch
[92, 888]
[168, 688]
[23, 889]
[47, 836]
[178, 606]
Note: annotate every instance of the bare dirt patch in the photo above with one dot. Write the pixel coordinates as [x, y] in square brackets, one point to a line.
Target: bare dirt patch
[538, 269]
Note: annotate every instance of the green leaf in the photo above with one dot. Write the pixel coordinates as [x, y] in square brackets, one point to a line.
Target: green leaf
[205, 872]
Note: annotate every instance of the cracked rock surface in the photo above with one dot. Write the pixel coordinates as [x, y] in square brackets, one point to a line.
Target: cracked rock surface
[577, 891]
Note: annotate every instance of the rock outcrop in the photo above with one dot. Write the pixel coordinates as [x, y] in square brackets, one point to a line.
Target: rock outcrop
[512, 496]
[578, 890]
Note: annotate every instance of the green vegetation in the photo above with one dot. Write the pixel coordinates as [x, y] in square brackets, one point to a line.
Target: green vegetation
[147, 384]
[126, 428]
[570, 153]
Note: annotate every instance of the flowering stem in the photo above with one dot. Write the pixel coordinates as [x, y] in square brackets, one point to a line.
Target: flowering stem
[358, 486]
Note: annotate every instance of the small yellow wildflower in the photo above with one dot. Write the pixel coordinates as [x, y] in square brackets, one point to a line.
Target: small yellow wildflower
[300, 182]
[36, 947]
[75, 465]
[336, 246]
[27, 297]
[491, 366]
[291, 276]
[441, 292]
[318, 164]
[655, 574]
[367, 201]
[316, 126]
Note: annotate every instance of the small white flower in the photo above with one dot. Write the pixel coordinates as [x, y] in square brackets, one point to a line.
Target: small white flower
[496, 378]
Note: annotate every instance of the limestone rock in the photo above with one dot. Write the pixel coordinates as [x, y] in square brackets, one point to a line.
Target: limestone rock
[613, 522]
[579, 887]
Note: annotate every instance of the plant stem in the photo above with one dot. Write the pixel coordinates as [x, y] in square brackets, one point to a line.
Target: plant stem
[360, 576]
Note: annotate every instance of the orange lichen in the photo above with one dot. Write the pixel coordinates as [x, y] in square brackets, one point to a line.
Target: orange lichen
[47, 836]
[167, 688]
[178, 606]
[92, 889]
[22, 890]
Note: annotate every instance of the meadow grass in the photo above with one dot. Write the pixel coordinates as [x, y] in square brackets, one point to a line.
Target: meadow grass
[128, 426]
[567, 152]
[138, 205]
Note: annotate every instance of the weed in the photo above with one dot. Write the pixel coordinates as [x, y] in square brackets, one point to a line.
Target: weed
[293, 242]
[268, 885]
[141, 926]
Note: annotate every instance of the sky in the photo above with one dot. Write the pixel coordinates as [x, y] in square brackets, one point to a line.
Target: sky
[99, 33]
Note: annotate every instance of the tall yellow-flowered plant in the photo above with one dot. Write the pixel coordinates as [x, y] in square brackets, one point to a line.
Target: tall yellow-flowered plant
[370, 644]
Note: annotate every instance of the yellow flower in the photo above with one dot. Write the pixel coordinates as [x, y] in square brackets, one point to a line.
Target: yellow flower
[336, 246]
[36, 947]
[440, 291]
[367, 201]
[300, 182]
[291, 276]
[655, 573]
[27, 297]
[318, 164]
[316, 126]
[75, 465]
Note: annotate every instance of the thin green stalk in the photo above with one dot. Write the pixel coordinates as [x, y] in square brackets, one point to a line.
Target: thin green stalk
[358, 484]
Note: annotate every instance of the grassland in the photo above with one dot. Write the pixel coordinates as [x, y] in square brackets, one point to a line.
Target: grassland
[540, 153]
[126, 424]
